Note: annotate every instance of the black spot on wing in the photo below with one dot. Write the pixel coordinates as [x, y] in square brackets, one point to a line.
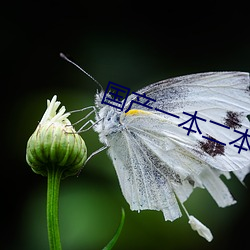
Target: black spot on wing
[190, 181]
[232, 119]
[248, 89]
[211, 147]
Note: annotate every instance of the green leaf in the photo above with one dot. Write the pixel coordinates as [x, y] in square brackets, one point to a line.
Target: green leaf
[117, 234]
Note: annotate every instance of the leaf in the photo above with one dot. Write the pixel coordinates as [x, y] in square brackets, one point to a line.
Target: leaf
[117, 234]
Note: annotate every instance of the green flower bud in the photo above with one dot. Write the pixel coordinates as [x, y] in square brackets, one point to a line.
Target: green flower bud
[55, 144]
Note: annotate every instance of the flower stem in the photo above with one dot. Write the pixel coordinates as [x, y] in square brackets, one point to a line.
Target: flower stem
[54, 177]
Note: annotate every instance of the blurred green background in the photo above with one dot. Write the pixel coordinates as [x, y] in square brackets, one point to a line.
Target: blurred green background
[132, 44]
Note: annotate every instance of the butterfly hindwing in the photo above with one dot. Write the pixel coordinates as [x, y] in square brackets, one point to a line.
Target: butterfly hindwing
[142, 184]
[152, 166]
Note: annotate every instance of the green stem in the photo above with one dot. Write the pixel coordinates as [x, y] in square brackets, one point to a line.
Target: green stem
[54, 177]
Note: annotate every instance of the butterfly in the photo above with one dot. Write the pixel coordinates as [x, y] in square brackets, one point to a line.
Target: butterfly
[158, 165]
[195, 131]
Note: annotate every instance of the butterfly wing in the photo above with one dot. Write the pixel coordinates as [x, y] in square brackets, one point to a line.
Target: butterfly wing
[156, 160]
[153, 167]
[179, 93]
[141, 184]
[222, 101]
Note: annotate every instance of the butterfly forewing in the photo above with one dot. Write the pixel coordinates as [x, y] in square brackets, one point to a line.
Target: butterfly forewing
[221, 101]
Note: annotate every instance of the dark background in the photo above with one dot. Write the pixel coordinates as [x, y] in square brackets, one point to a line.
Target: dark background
[132, 44]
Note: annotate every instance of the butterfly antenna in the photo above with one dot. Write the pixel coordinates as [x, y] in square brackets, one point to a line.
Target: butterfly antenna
[68, 60]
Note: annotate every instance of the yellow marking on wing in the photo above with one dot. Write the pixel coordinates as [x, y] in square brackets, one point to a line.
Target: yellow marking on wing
[137, 112]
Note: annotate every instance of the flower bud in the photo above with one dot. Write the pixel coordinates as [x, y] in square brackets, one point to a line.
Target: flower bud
[55, 144]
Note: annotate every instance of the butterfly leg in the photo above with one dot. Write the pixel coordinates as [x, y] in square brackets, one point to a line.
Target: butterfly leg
[83, 129]
[86, 116]
[96, 152]
[91, 155]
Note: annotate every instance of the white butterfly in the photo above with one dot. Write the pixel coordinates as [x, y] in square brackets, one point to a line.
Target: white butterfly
[158, 161]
